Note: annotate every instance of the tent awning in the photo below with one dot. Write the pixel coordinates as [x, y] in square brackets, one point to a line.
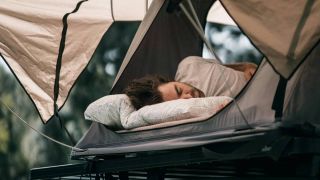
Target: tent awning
[284, 31]
[31, 37]
[31, 33]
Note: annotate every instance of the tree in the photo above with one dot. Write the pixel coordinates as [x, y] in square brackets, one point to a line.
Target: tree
[231, 44]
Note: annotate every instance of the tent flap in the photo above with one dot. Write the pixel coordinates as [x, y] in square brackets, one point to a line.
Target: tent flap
[284, 31]
[30, 34]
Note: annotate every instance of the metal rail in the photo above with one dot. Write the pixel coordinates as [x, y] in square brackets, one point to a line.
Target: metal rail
[237, 160]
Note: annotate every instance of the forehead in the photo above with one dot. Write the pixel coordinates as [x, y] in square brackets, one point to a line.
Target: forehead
[174, 84]
[168, 91]
[167, 87]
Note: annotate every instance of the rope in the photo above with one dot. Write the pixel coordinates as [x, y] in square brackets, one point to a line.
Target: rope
[40, 133]
[196, 24]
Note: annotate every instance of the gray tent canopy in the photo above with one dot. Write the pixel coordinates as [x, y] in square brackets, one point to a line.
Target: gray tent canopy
[291, 50]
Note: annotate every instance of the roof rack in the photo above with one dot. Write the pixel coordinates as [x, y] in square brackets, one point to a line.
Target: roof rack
[300, 158]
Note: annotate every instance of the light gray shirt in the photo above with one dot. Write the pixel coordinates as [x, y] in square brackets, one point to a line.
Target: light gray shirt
[210, 77]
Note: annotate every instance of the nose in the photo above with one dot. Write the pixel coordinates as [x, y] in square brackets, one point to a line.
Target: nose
[186, 96]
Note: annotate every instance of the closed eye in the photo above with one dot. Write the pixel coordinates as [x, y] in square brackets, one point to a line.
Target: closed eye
[178, 90]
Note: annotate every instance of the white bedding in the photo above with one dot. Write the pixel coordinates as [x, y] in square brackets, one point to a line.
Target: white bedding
[116, 111]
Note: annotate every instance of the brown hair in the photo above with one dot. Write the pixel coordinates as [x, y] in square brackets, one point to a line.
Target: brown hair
[144, 91]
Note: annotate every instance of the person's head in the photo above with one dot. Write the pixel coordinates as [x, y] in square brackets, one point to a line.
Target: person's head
[144, 91]
[178, 90]
[155, 89]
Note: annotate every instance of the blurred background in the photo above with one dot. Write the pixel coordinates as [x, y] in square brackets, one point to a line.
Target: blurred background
[22, 149]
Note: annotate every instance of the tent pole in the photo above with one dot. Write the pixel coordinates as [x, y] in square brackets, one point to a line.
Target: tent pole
[201, 34]
[199, 30]
[207, 43]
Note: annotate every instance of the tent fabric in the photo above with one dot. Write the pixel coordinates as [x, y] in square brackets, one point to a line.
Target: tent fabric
[128, 10]
[303, 100]
[161, 42]
[284, 31]
[144, 26]
[31, 32]
[218, 14]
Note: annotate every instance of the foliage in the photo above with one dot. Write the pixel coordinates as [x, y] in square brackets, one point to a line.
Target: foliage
[230, 44]
[12, 161]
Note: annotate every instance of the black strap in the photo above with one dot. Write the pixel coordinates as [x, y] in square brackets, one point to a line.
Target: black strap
[58, 68]
[61, 50]
[278, 100]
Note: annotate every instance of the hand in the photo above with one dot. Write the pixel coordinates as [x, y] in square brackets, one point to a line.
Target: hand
[249, 70]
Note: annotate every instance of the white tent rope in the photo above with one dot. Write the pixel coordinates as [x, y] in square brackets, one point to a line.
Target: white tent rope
[37, 131]
[201, 33]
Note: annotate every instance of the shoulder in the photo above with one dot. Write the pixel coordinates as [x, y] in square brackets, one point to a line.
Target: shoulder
[191, 60]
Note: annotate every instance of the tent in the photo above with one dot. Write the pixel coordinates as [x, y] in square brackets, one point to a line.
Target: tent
[277, 89]
[278, 99]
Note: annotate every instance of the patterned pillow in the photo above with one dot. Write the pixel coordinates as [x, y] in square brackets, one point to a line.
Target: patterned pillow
[117, 113]
[107, 110]
[179, 109]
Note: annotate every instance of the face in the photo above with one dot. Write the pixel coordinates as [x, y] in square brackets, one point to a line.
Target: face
[177, 90]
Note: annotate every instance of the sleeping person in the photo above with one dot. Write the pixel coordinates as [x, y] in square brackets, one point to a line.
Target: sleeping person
[201, 88]
[195, 77]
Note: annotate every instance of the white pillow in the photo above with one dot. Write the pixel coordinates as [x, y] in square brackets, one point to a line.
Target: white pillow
[116, 111]
[174, 110]
[107, 110]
